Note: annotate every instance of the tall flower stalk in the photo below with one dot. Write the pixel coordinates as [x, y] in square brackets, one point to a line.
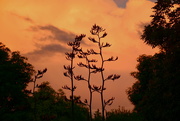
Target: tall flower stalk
[85, 55]
[100, 33]
[70, 56]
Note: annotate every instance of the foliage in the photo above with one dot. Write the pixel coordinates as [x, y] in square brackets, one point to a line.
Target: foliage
[164, 29]
[121, 114]
[54, 106]
[155, 94]
[97, 116]
[15, 74]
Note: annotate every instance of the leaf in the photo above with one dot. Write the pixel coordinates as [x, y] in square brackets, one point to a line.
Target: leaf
[66, 87]
[106, 45]
[91, 51]
[113, 77]
[109, 101]
[79, 77]
[39, 76]
[66, 74]
[109, 77]
[92, 60]
[96, 88]
[111, 59]
[39, 72]
[73, 89]
[80, 37]
[80, 64]
[93, 40]
[85, 101]
[45, 70]
[104, 35]
[116, 77]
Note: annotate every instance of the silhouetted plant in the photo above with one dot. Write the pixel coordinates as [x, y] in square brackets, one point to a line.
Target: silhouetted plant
[55, 106]
[97, 115]
[100, 33]
[70, 56]
[121, 114]
[37, 76]
[91, 66]
[91, 69]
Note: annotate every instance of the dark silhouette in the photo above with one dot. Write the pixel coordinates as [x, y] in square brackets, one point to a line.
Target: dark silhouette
[100, 33]
[155, 94]
[70, 56]
[91, 66]
[15, 74]
[53, 105]
[85, 55]
[37, 76]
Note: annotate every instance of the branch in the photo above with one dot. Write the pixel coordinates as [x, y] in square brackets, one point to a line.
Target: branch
[113, 77]
[66, 87]
[96, 88]
[104, 35]
[80, 64]
[109, 102]
[79, 78]
[92, 60]
[105, 45]
[111, 59]
[93, 40]
[91, 51]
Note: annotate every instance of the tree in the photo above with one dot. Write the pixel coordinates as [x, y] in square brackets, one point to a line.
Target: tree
[15, 74]
[164, 29]
[53, 105]
[155, 94]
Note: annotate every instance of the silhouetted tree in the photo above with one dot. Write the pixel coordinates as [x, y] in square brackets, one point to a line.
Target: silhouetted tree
[155, 94]
[15, 74]
[54, 106]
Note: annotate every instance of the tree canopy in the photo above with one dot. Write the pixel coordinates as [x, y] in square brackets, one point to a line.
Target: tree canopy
[15, 74]
[155, 93]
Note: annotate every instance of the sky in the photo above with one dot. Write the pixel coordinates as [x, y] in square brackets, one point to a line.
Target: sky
[40, 30]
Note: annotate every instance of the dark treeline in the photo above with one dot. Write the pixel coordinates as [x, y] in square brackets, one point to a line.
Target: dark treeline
[42, 102]
[155, 94]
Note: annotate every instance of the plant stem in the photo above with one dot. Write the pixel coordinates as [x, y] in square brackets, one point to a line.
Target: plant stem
[102, 77]
[90, 90]
[72, 88]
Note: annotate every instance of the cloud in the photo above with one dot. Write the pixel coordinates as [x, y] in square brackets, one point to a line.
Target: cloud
[56, 33]
[121, 3]
[57, 37]
[23, 17]
[46, 51]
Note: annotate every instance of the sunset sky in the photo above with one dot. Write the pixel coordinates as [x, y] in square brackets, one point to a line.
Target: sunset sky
[40, 29]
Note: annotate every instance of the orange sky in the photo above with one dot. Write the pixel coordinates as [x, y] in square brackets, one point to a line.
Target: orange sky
[40, 29]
